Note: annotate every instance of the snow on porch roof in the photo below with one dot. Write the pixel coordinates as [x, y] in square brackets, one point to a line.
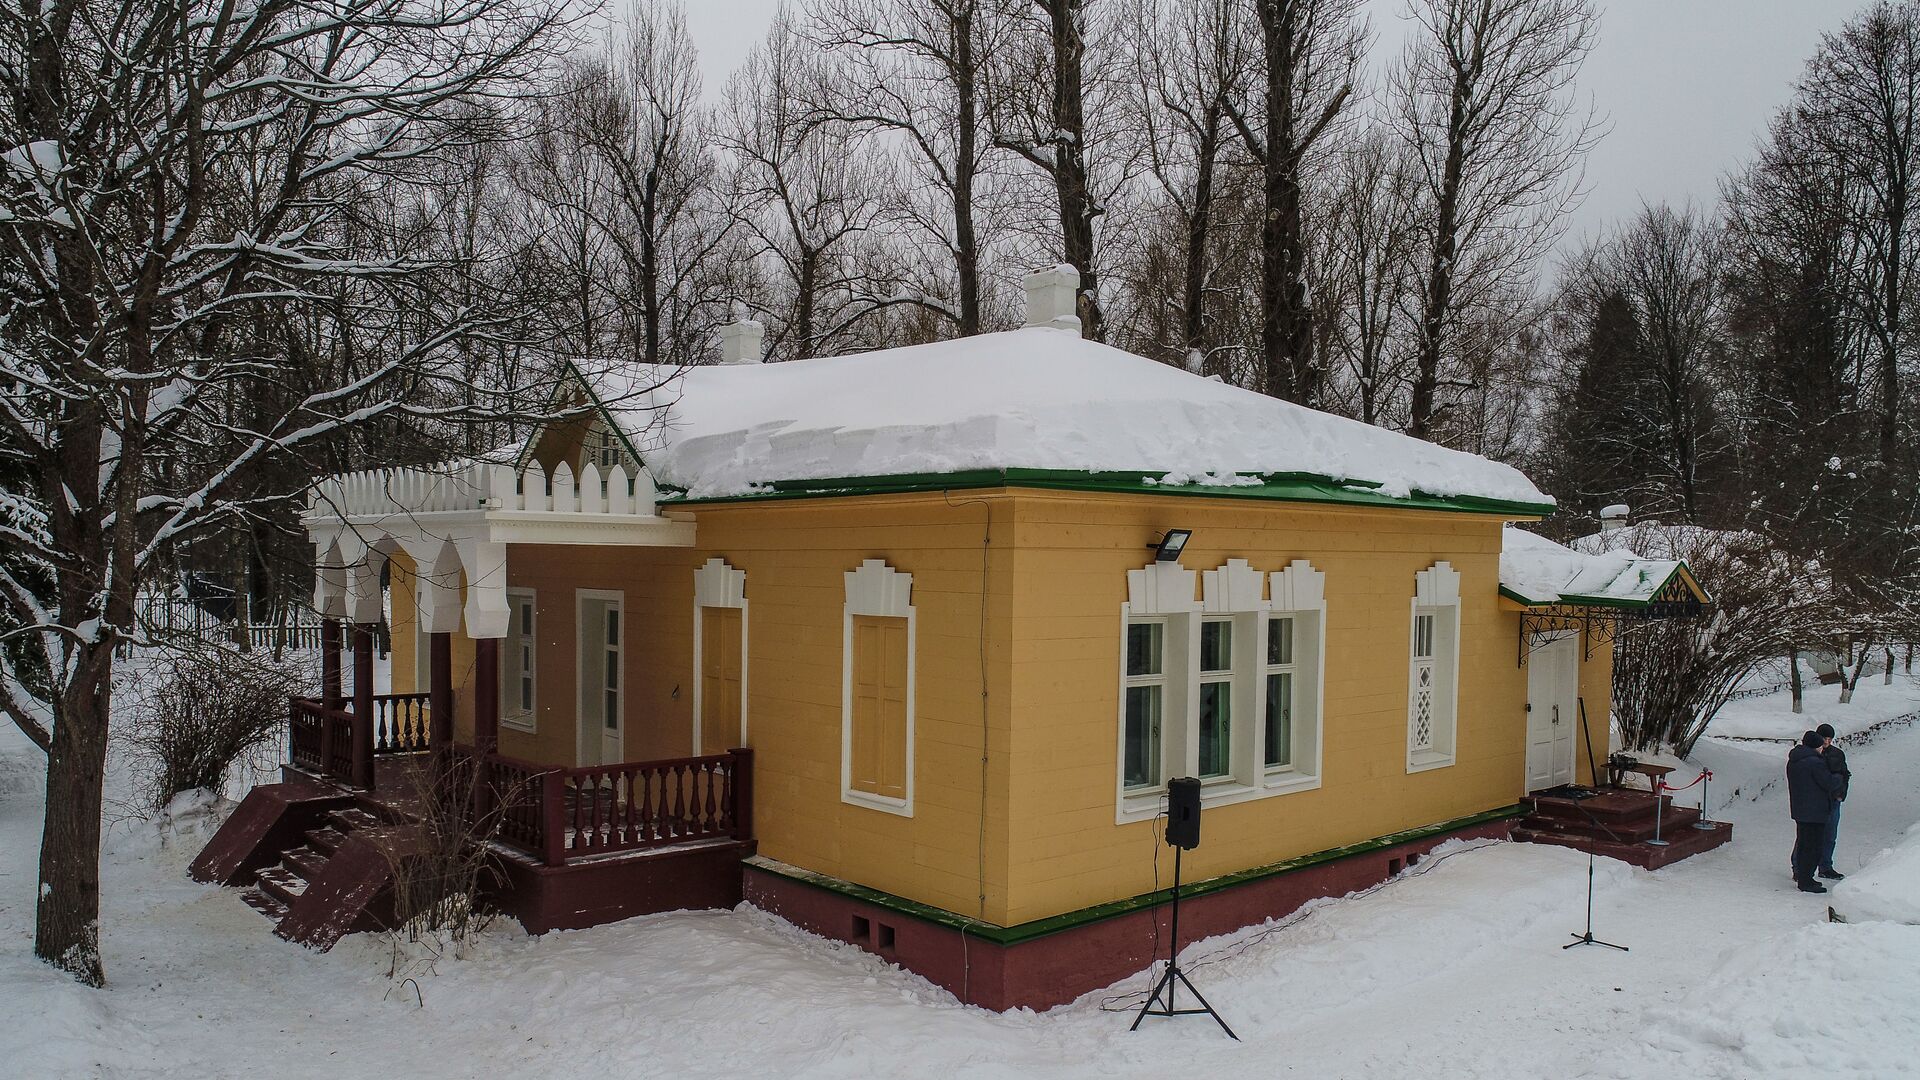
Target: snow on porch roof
[1035, 399]
[1534, 570]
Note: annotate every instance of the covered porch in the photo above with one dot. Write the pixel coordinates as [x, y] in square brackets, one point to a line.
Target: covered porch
[574, 843]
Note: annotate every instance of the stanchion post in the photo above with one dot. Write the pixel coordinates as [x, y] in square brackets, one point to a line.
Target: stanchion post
[1706, 776]
[1659, 802]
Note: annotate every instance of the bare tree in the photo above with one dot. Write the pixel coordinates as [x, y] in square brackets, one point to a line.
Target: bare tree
[1041, 94]
[1484, 97]
[1365, 285]
[1311, 51]
[1188, 59]
[1861, 94]
[916, 71]
[808, 194]
[178, 199]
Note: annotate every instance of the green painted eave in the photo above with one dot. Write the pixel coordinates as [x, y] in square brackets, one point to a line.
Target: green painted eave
[1027, 931]
[1283, 487]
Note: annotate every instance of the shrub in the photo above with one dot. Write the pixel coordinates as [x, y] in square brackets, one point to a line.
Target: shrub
[202, 708]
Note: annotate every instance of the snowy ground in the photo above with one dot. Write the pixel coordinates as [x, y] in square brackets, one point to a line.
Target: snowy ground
[1455, 971]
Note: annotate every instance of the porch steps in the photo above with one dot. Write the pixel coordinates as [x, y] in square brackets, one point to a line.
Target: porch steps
[1620, 824]
[329, 885]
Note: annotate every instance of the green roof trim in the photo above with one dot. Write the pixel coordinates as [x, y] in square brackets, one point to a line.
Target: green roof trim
[1028, 931]
[1280, 486]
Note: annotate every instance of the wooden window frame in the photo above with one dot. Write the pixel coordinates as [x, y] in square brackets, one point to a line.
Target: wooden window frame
[1436, 597]
[878, 590]
[718, 585]
[511, 716]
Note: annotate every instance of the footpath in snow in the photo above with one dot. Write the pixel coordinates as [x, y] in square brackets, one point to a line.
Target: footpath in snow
[1454, 970]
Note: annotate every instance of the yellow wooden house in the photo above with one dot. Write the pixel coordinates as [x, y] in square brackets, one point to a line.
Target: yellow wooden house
[951, 616]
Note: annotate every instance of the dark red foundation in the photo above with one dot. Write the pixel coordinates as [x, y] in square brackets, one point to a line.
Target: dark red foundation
[1056, 966]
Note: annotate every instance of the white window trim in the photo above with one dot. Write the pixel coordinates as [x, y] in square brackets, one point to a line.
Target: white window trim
[878, 590]
[528, 721]
[717, 585]
[1165, 590]
[1298, 591]
[1437, 593]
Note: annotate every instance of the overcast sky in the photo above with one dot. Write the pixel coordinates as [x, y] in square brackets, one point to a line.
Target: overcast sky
[1685, 86]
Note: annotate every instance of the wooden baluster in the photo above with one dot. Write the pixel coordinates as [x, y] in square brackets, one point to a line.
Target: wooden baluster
[712, 824]
[646, 804]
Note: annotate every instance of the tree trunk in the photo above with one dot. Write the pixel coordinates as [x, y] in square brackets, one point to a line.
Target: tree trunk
[67, 917]
[1071, 185]
[1193, 315]
[1795, 688]
[966, 244]
[1286, 324]
[1436, 306]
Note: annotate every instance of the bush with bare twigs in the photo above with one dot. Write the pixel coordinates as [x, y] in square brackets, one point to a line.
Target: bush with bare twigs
[201, 709]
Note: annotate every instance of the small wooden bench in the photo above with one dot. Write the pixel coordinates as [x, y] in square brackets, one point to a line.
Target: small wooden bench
[1654, 773]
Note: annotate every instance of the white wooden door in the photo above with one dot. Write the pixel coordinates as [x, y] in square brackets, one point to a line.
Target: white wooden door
[1553, 716]
[601, 644]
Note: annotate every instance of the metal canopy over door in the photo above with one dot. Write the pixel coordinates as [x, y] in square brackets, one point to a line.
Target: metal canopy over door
[601, 644]
[1553, 711]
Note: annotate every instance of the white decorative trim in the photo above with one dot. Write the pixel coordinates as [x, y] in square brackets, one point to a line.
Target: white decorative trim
[1437, 586]
[1232, 589]
[1161, 588]
[876, 589]
[717, 585]
[1299, 588]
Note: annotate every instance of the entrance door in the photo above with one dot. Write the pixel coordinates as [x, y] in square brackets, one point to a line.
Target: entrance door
[1553, 711]
[600, 643]
[719, 679]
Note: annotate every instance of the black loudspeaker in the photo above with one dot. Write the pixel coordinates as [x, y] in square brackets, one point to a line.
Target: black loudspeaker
[1183, 812]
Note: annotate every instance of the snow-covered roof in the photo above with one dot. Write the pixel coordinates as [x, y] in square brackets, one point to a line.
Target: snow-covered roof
[1535, 570]
[1032, 399]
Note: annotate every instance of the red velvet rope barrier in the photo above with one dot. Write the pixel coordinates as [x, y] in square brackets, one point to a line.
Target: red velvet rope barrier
[1705, 774]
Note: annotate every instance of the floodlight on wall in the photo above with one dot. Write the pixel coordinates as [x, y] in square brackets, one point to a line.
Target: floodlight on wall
[1169, 546]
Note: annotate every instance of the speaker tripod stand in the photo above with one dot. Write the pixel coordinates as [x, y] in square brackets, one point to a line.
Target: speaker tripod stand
[1174, 978]
[1588, 938]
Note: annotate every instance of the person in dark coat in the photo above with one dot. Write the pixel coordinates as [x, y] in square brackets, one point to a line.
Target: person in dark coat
[1836, 764]
[1810, 788]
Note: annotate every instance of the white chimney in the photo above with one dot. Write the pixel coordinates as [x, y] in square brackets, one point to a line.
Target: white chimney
[1053, 298]
[740, 342]
[1613, 517]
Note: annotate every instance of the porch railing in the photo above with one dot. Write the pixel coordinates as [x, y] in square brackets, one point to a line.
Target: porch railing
[321, 740]
[559, 813]
[400, 723]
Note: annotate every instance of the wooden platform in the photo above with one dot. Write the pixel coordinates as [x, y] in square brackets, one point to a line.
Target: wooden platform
[1620, 823]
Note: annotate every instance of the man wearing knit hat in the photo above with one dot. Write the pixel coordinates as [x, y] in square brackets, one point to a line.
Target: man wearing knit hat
[1810, 788]
[1837, 764]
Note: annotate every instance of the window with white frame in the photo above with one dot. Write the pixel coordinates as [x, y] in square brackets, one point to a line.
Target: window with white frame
[1215, 718]
[1291, 677]
[1143, 704]
[519, 700]
[1433, 668]
[1226, 689]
